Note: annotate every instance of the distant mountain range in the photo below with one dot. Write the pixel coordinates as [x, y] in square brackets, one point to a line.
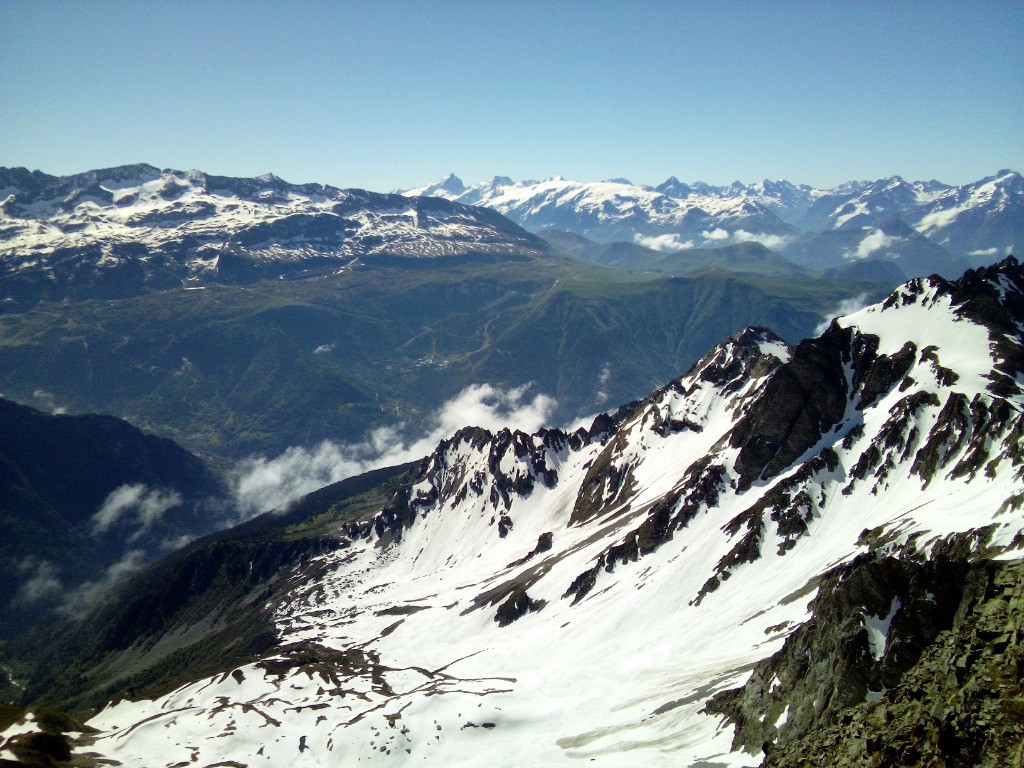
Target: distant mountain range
[126, 230]
[133, 229]
[922, 226]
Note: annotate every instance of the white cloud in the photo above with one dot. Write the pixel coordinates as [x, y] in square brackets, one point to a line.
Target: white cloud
[263, 484]
[715, 234]
[773, 242]
[844, 307]
[876, 240]
[48, 402]
[720, 236]
[42, 582]
[136, 503]
[984, 252]
[940, 219]
[323, 349]
[176, 542]
[602, 385]
[88, 594]
[666, 243]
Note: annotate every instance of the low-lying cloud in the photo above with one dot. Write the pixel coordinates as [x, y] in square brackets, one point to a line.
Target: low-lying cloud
[44, 585]
[874, 241]
[602, 384]
[712, 238]
[984, 252]
[844, 307]
[43, 581]
[133, 505]
[46, 401]
[264, 484]
[664, 243]
[772, 242]
[83, 598]
[718, 237]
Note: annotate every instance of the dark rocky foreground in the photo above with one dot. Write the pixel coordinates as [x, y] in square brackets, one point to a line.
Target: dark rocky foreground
[946, 691]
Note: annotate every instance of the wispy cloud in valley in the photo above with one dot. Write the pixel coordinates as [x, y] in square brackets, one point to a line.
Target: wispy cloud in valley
[134, 505]
[665, 243]
[844, 307]
[874, 241]
[263, 484]
[83, 598]
[43, 581]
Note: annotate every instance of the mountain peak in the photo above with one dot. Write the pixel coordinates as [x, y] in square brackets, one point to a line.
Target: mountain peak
[451, 183]
[673, 187]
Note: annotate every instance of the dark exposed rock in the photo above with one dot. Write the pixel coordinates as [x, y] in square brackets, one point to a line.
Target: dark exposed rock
[544, 542]
[703, 483]
[40, 749]
[959, 704]
[851, 701]
[746, 550]
[740, 357]
[804, 399]
[605, 483]
[445, 476]
[515, 607]
[585, 582]
[883, 373]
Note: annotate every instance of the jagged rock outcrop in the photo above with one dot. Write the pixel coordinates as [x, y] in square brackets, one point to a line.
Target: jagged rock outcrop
[904, 663]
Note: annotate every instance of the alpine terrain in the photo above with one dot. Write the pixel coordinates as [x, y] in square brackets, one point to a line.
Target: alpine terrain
[119, 231]
[791, 555]
[242, 316]
[920, 227]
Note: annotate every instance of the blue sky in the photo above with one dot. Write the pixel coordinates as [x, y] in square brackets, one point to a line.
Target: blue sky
[393, 94]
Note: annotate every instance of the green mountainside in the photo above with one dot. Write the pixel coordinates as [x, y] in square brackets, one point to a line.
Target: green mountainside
[230, 371]
[750, 258]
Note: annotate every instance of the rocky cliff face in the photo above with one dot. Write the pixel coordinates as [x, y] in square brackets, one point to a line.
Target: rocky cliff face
[905, 662]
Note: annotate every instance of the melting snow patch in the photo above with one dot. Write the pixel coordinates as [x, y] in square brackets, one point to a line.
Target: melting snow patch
[878, 629]
[777, 349]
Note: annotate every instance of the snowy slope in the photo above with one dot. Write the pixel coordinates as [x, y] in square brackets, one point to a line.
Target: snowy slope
[549, 598]
[619, 210]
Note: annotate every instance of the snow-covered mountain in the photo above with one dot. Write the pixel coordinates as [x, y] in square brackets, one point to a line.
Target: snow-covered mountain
[980, 222]
[629, 593]
[121, 229]
[619, 210]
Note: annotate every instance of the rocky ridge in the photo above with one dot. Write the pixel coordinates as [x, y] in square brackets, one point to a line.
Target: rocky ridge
[906, 661]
